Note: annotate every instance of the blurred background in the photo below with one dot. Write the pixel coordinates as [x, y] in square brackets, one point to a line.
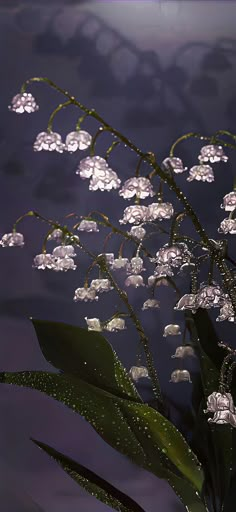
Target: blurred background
[154, 70]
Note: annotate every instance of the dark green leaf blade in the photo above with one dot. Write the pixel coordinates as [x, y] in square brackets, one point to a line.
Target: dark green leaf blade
[104, 413]
[84, 353]
[158, 435]
[91, 482]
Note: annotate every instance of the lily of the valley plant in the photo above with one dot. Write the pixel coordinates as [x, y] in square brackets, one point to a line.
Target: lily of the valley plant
[89, 377]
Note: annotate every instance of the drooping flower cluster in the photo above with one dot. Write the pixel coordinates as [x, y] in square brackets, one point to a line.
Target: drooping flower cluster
[101, 176]
[170, 257]
[228, 225]
[52, 141]
[61, 259]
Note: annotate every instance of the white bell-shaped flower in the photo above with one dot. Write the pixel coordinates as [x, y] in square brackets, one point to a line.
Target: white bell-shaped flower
[135, 266]
[49, 141]
[228, 227]
[134, 214]
[105, 180]
[174, 164]
[64, 251]
[120, 263]
[116, 324]
[109, 257]
[90, 164]
[201, 173]
[64, 264]
[23, 102]
[138, 232]
[229, 201]
[101, 285]
[88, 225]
[85, 294]
[163, 271]
[157, 281]
[135, 281]
[180, 376]
[93, 324]
[223, 418]
[160, 211]
[138, 372]
[77, 140]
[183, 351]
[171, 330]
[150, 304]
[220, 402]
[43, 261]
[56, 235]
[141, 187]
[212, 153]
[12, 240]
[188, 301]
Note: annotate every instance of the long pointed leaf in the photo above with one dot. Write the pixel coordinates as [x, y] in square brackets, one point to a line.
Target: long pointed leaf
[84, 353]
[108, 416]
[91, 482]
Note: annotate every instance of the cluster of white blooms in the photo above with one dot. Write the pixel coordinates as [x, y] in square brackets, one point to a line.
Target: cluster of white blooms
[85, 294]
[169, 257]
[52, 141]
[208, 296]
[201, 172]
[61, 259]
[137, 214]
[113, 325]
[228, 225]
[101, 176]
[88, 293]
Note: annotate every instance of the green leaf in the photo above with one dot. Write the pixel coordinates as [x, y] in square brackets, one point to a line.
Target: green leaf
[86, 354]
[157, 434]
[91, 482]
[112, 418]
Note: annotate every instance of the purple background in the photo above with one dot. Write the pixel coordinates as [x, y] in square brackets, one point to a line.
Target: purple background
[154, 70]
